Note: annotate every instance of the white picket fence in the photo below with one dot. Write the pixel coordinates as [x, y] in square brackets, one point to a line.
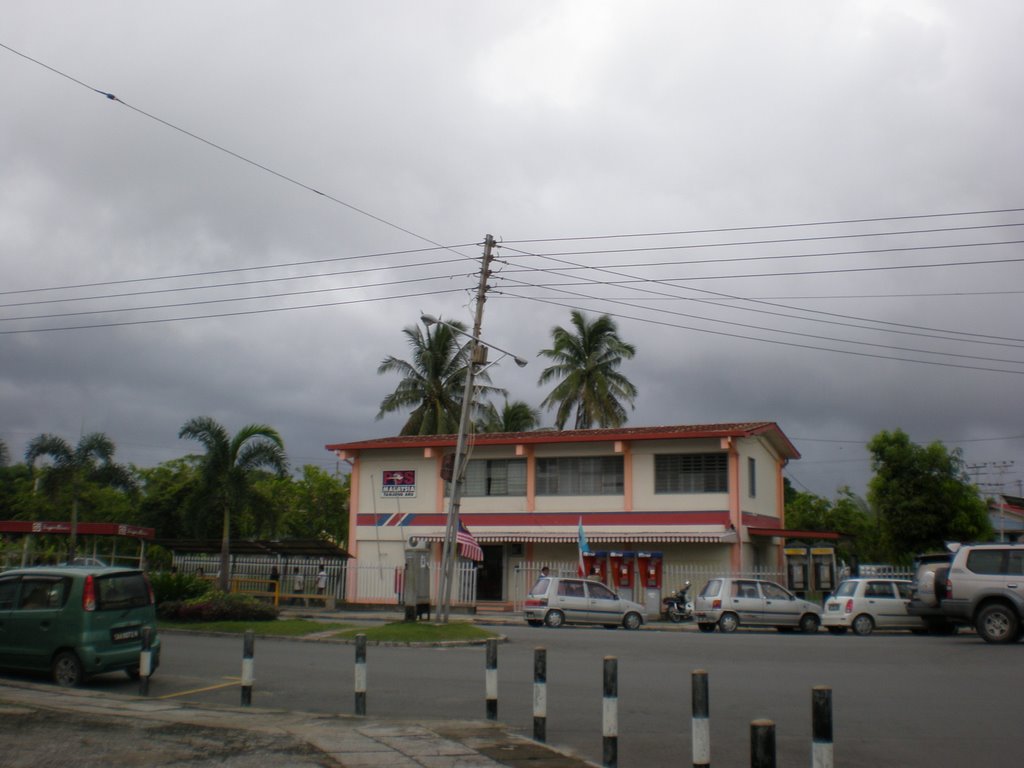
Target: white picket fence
[376, 584]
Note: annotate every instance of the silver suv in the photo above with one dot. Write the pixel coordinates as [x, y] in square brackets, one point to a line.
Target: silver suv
[985, 586]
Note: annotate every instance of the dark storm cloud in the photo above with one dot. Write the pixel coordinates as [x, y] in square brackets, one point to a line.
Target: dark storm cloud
[551, 120]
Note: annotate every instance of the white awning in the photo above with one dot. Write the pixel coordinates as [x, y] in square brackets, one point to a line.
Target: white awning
[485, 536]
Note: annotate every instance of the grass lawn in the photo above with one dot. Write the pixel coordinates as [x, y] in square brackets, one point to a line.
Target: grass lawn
[278, 628]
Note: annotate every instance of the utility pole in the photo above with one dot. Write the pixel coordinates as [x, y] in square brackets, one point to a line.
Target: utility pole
[477, 356]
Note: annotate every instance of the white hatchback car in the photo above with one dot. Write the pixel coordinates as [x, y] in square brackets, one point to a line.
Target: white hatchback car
[866, 604]
[556, 601]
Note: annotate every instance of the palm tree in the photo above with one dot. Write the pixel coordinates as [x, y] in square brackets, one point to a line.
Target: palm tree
[517, 416]
[585, 367]
[91, 461]
[227, 471]
[432, 381]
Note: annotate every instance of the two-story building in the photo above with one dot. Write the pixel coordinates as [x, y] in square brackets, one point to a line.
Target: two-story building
[708, 495]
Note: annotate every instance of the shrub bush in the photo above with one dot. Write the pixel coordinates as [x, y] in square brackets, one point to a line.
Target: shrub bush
[176, 587]
[217, 606]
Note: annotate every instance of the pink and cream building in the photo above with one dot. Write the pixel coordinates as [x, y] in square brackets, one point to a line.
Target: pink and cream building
[709, 495]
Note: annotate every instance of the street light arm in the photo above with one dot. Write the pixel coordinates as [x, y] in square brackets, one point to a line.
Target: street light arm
[429, 320]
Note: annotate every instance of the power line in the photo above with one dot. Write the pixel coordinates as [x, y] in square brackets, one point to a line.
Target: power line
[788, 240]
[754, 227]
[240, 313]
[788, 343]
[230, 270]
[232, 153]
[238, 284]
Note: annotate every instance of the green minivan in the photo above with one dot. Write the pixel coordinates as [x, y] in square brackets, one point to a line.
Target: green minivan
[76, 621]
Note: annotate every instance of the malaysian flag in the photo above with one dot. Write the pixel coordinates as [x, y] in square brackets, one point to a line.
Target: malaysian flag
[468, 546]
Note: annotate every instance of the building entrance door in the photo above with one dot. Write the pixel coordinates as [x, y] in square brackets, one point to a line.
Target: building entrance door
[489, 580]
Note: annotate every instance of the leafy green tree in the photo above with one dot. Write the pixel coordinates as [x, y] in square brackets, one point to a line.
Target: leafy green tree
[517, 416]
[167, 490]
[585, 370]
[76, 470]
[923, 495]
[313, 506]
[227, 471]
[5, 455]
[849, 515]
[433, 379]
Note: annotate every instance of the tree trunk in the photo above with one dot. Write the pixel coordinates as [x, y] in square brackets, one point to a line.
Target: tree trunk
[225, 551]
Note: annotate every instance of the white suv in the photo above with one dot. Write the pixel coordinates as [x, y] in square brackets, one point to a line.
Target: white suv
[985, 586]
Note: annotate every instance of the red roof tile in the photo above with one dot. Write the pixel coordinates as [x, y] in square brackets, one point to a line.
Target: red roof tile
[768, 429]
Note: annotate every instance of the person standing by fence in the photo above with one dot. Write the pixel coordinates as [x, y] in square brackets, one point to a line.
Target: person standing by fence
[321, 580]
[298, 587]
[275, 581]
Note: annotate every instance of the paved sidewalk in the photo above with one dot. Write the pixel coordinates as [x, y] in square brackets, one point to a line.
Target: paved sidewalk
[49, 727]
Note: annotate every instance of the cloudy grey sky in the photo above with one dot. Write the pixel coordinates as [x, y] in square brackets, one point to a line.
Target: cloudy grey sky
[804, 212]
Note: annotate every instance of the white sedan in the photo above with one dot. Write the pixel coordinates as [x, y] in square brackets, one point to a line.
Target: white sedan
[866, 604]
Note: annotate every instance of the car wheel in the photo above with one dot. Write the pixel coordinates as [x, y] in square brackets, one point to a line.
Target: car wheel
[997, 623]
[706, 626]
[863, 625]
[67, 669]
[809, 623]
[837, 630]
[728, 622]
[535, 622]
[554, 618]
[632, 620]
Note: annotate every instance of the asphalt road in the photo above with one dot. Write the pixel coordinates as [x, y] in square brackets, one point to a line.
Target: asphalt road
[898, 699]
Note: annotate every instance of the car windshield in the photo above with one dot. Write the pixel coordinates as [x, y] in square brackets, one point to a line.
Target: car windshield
[540, 587]
[846, 589]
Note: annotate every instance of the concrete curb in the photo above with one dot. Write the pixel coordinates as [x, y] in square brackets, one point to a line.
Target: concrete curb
[158, 731]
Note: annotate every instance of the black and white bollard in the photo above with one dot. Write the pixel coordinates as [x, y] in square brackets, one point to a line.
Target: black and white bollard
[145, 662]
[610, 712]
[701, 723]
[360, 674]
[762, 744]
[821, 727]
[491, 679]
[540, 694]
[248, 667]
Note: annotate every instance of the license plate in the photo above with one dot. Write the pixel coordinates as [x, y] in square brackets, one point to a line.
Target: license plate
[125, 634]
[833, 607]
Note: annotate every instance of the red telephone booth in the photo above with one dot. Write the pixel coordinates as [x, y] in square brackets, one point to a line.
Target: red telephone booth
[622, 572]
[650, 569]
[596, 564]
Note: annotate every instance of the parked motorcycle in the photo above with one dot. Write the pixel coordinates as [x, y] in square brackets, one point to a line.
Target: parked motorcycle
[678, 606]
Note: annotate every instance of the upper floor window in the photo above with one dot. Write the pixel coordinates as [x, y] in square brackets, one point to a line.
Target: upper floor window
[495, 477]
[691, 473]
[752, 477]
[580, 476]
